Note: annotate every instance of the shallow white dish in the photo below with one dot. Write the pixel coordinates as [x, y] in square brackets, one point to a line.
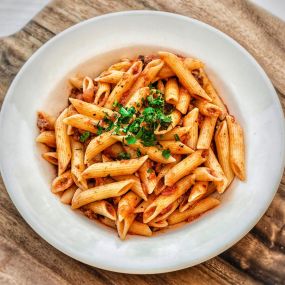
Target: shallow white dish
[240, 81]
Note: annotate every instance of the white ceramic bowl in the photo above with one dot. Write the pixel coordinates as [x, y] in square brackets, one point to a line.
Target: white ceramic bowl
[240, 81]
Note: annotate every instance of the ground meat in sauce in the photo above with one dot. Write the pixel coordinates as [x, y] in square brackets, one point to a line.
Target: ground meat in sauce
[149, 58]
[76, 93]
[43, 124]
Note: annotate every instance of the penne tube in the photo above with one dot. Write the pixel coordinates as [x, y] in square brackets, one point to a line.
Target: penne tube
[136, 187]
[153, 152]
[159, 187]
[176, 147]
[62, 182]
[140, 229]
[144, 204]
[165, 72]
[114, 150]
[192, 63]
[101, 192]
[178, 131]
[68, 194]
[121, 65]
[175, 119]
[102, 94]
[160, 86]
[127, 205]
[63, 148]
[207, 109]
[147, 75]
[206, 132]
[210, 90]
[237, 151]
[213, 163]
[45, 122]
[167, 197]
[103, 208]
[97, 145]
[168, 211]
[158, 224]
[137, 99]
[71, 111]
[47, 138]
[76, 81]
[185, 167]
[200, 208]
[93, 111]
[77, 192]
[206, 174]
[171, 91]
[105, 158]
[82, 122]
[124, 84]
[184, 100]
[147, 176]
[88, 89]
[110, 76]
[114, 168]
[198, 191]
[124, 226]
[191, 120]
[223, 150]
[51, 157]
[77, 164]
[185, 77]
[108, 222]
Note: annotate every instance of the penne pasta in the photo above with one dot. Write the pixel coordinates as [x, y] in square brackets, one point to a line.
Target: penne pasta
[178, 131]
[62, 182]
[185, 166]
[124, 226]
[136, 187]
[185, 77]
[68, 194]
[76, 81]
[176, 147]
[97, 145]
[223, 150]
[107, 222]
[45, 122]
[158, 224]
[160, 86]
[101, 192]
[140, 229]
[184, 100]
[147, 176]
[191, 121]
[200, 208]
[213, 163]
[207, 109]
[103, 208]
[206, 174]
[153, 152]
[91, 110]
[47, 138]
[210, 90]
[124, 84]
[110, 76]
[51, 157]
[102, 94]
[136, 100]
[171, 91]
[114, 168]
[147, 75]
[63, 148]
[121, 65]
[82, 122]
[167, 197]
[77, 164]
[197, 192]
[127, 204]
[88, 89]
[237, 152]
[206, 132]
[175, 119]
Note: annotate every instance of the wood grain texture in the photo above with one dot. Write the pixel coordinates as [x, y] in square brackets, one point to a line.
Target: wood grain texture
[258, 258]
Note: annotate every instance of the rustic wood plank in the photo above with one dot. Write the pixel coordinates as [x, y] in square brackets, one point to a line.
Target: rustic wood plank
[258, 258]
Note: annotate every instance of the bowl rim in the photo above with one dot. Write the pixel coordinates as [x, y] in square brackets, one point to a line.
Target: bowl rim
[48, 237]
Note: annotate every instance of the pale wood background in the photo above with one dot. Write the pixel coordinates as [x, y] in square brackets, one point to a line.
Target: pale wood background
[25, 258]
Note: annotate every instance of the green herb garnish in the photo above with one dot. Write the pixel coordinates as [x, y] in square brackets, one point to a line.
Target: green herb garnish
[124, 155]
[84, 137]
[131, 139]
[139, 154]
[150, 170]
[177, 138]
[166, 153]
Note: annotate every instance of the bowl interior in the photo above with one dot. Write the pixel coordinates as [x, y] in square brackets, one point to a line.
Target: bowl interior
[90, 47]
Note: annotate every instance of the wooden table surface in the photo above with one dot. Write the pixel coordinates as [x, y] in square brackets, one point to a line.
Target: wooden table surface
[25, 258]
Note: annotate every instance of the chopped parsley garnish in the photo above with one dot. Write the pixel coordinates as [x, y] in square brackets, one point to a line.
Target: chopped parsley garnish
[131, 139]
[124, 155]
[84, 137]
[139, 154]
[100, 130]
[166, 153]
[150, 170]
[177, 138]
